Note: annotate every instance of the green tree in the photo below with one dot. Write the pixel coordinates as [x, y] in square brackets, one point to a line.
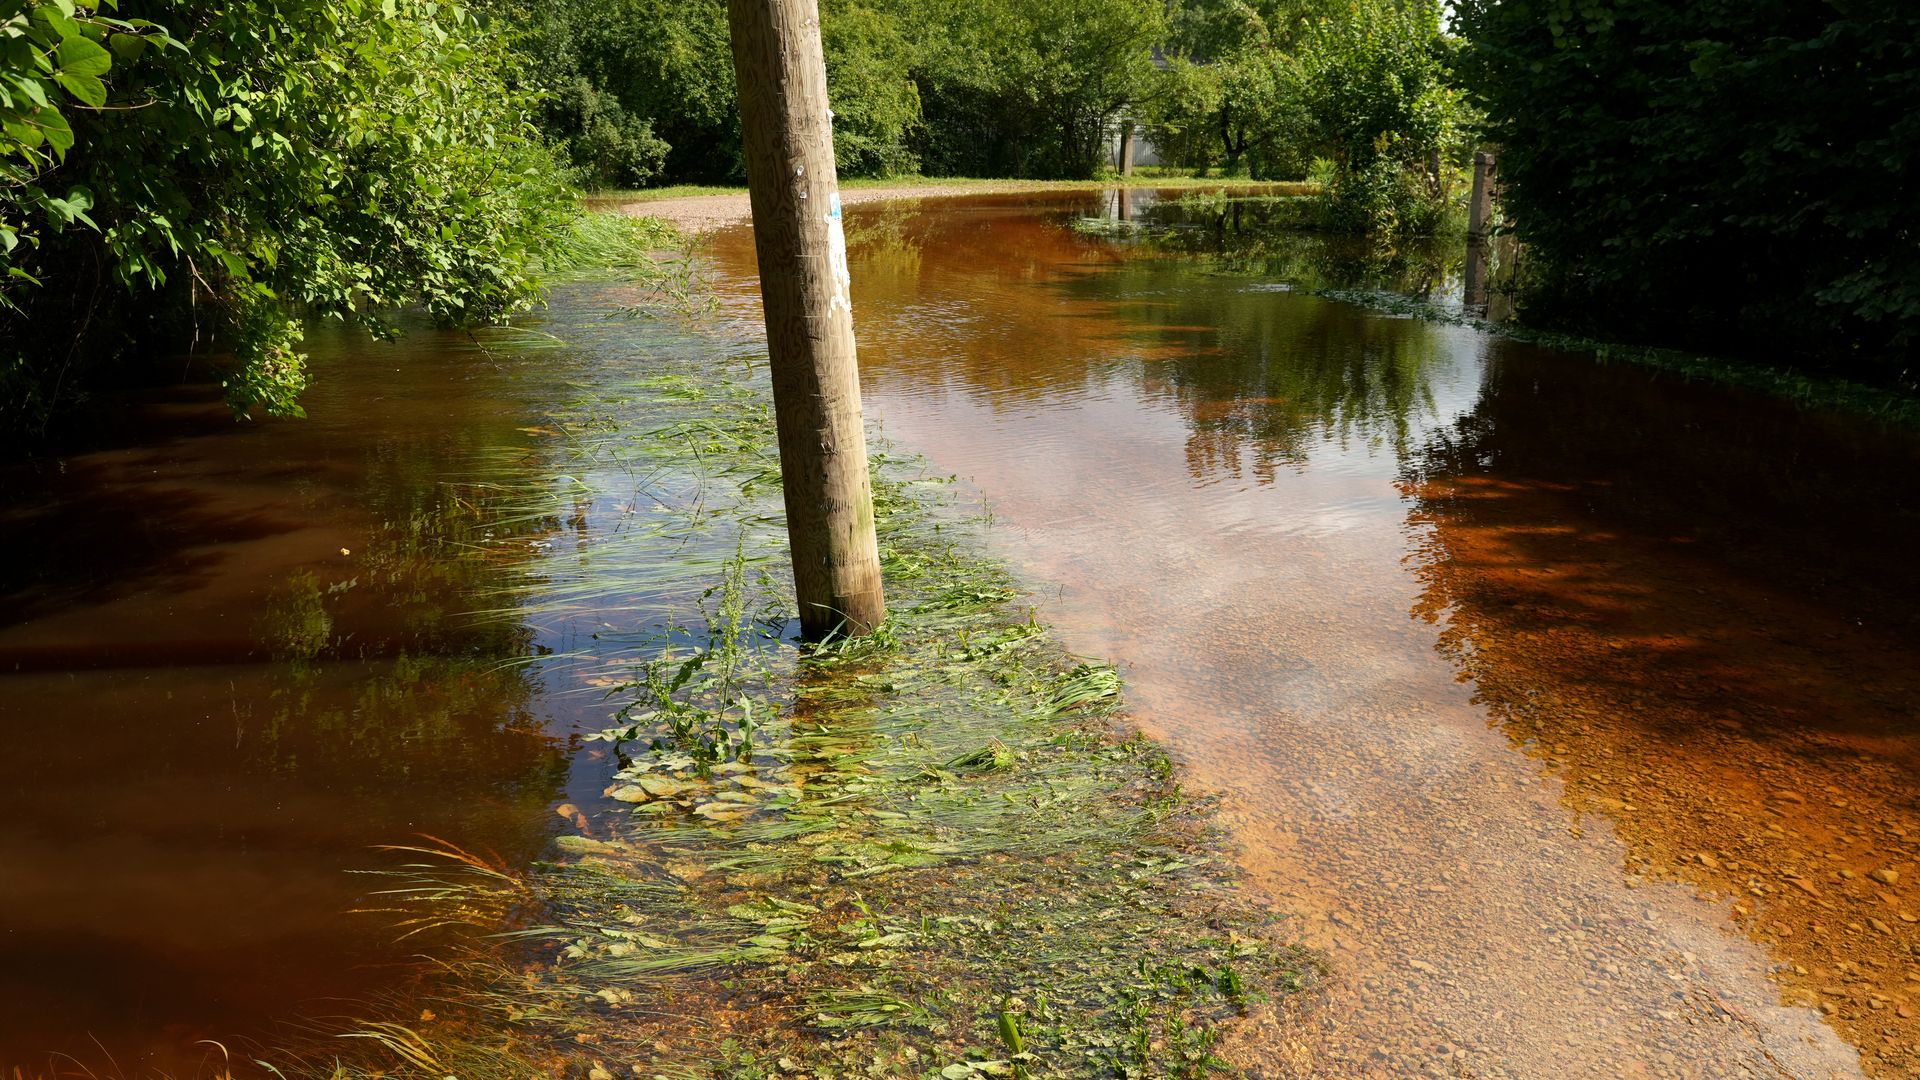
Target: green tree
[1236, 112]
[1027, 87]
[636, 90]
[1772, 144]
[1376, 87]
[642, 91]
[245, 166]
[1265, 86]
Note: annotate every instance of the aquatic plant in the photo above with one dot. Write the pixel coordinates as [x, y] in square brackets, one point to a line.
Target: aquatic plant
[926, 851]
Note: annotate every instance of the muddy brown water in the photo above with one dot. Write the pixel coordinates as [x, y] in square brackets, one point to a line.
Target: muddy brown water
[1570, 708]
[237, 658]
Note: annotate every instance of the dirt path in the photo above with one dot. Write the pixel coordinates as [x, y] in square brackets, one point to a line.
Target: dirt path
[703, 213]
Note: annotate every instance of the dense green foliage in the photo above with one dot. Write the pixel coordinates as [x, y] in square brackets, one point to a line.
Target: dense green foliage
[1375, 88]
[1719, 173]
[642, 91]
[1030, 87]
[1265, 89]
[178, 171]
[1223, 98]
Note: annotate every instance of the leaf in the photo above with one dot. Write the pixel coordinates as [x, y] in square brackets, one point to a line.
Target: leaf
[27, 135]
[128, 47]
[72, 208]
[57, 22]
[83, 58]
[54, 128]
[33, 89]
[86, 88]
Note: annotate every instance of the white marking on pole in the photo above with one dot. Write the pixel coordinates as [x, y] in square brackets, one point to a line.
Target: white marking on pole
[837, 252]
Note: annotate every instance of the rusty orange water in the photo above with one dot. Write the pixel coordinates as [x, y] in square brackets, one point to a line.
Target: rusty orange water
[1571, 708]
[235, 658]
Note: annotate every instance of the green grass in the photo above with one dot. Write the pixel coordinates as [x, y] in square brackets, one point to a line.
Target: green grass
[598, 243]
[930, 852]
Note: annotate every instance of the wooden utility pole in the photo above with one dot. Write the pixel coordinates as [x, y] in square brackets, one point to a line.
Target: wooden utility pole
[804, 288]
[1479, 219]
[1480, 208]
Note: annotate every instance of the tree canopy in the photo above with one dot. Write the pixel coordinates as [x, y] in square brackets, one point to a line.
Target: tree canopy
[1771, 144]
[175, 173]
[177, 170]
[642, 91]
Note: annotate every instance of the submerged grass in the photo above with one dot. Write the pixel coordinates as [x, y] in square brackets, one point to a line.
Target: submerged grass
[651, 254]
[927, 852]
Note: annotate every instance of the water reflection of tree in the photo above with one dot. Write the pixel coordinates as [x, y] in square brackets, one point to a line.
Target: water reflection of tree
[386, 661]
[1263, 237]
[1697, 606]
[957, 296]
[1015, 307]
[1823, 504]
[1264, 377]
[309, 687]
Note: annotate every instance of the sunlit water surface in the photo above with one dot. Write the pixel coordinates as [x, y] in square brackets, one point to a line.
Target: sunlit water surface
[236, 659]
[1569, 708]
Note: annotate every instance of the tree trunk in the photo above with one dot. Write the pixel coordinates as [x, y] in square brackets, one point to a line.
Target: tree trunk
[804, 287]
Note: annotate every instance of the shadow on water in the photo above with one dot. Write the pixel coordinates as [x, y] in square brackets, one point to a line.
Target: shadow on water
[1697, 607]
[231, 663]
[1351, 563]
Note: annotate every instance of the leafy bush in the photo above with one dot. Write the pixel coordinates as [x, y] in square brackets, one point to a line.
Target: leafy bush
[1376, 88]
[1030, 87]
[608, 145]
[1716, 173]
[642, 91]
[245, 165]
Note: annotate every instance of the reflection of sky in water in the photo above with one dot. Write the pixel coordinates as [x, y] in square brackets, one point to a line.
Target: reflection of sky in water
[1342, 559]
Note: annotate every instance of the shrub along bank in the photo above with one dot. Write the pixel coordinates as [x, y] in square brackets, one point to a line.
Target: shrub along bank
[175, 173]
[1737, 177]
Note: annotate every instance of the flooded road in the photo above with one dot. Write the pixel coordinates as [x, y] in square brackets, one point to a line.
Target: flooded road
[237, 658]
[1571, 708]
